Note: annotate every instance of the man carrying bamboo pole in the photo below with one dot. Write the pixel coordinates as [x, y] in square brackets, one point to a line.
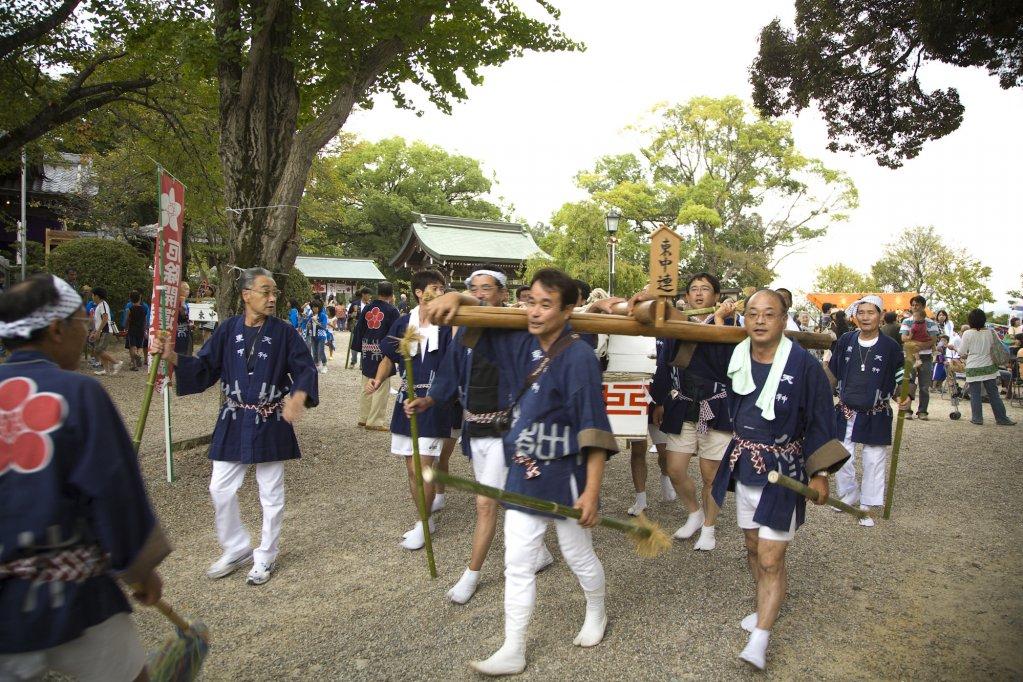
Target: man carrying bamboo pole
[693, 413]
[75, 516]
[559, 438]
[268, 380]
[783, 419]
[475, 379]
[435, 427]
[867, 368]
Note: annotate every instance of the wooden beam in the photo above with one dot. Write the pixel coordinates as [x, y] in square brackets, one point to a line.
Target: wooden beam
[191, 443]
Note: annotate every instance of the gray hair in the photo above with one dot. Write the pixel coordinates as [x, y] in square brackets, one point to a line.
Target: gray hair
[247, 277]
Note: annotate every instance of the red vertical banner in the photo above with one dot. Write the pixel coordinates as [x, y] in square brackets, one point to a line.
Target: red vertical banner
[167, 265]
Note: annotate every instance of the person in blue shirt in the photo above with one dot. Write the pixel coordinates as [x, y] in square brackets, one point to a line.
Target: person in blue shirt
[557, 445]
[76, 520]
[314, 326]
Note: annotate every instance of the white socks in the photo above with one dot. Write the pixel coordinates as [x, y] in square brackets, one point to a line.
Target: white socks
[465, 587]
[639, 505]
[510, 659]
[438, 502]
[595, 622]
[415, 538]
[667, 489]
[755, 652]
[706, 541]
[866, 520]
[749, 623]
[692, 524]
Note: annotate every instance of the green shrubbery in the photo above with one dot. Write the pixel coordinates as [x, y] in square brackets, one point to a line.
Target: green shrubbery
[113, 265]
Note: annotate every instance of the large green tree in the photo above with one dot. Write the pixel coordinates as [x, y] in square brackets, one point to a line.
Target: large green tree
[290, 76]
[919, 260]
[839, 277]
[360, 200]
[859, 61]
[576, 242]
[733, 183]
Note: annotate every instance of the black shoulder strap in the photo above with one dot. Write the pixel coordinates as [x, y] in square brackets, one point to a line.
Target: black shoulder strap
[557, 348]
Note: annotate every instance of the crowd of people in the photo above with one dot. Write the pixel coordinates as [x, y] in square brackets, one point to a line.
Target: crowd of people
[526, 405]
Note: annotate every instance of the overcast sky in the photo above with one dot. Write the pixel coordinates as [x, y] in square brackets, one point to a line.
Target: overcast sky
[538, 120]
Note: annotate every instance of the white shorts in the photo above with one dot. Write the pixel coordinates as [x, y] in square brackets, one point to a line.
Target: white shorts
[428, 447]
[710, 445]
[657, 437]
[110, 651]
[747, 497]
[488, 465]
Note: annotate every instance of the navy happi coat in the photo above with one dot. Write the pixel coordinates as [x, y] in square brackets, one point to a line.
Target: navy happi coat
[883, 370]
[374, 323]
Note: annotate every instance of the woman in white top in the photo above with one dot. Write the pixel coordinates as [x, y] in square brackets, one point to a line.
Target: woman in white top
[947, 328]
[103, 330]
[981, 371]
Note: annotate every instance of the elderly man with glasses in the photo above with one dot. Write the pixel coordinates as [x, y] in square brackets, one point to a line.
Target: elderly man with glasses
[268, 378]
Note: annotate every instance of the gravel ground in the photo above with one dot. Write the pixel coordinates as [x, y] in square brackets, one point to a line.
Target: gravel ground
[933, 593]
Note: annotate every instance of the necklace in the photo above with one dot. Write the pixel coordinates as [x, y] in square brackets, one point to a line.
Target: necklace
[252, 349]
[859, 352]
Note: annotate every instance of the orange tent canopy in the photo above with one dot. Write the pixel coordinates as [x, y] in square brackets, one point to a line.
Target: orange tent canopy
[895, 301]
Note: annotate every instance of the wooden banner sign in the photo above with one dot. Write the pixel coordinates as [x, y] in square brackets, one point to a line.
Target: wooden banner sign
[664, 255]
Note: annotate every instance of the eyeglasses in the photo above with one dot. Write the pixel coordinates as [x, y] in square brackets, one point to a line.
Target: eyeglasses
[767, 316]
[267, 292]
[485, 288]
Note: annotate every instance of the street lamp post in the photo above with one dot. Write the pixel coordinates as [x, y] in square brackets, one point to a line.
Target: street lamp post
[611, 222]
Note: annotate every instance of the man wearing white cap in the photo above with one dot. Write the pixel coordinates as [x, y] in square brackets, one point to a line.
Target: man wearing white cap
[867, 368]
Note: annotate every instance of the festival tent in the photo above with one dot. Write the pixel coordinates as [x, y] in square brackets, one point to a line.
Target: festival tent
[893, 301]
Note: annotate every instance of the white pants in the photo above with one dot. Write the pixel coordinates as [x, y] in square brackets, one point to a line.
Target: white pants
[523, 538]
[488, 465]
[747, 499]
[231, 533]
[874, 471]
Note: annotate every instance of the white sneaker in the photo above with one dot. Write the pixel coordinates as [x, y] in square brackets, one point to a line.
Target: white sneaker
[226, 565]
[260, 573]
[668, 490]
[117, 367]
[692, 524]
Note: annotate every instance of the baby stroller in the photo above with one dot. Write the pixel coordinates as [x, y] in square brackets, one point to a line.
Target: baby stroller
[956, 371]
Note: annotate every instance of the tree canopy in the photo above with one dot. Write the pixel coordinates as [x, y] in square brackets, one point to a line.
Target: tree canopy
[360, 200]
[577, 243]
[860, 62]
[838, 277]
[919, 260]
[732, 182]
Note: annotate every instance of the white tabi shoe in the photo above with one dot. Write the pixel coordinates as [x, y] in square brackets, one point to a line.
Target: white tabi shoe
[438, 503]
[749, 623]
[692, 524]
[755, 652]
[851, 499]
[226, 565]
[510, 659]
[260, 573]
[866, 521]
[466, 586]
[433, 527]
[668, 490]
[545, 560]
[592, 631]
[416, 539]
[706, 542]
[638, 506]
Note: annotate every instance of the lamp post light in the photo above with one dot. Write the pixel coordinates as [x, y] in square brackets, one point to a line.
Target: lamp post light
[611, 222]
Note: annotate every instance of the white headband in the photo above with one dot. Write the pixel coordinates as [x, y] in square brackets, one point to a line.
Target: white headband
[876, 300]
[67, 303]
[499, 276]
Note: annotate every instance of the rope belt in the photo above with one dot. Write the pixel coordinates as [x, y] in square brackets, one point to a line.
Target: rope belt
[849, 412]
[404, 386]
[532, 468]
[482, 417]
[70, 565]
[758, 450]
[264, 410]
[706, 414]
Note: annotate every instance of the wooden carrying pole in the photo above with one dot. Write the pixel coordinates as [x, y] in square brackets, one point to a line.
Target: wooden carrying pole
[910, 349]
[809, 493]
[595, 323]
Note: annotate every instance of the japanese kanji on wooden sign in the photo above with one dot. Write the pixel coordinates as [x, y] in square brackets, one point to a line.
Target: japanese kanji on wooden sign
[664, 254]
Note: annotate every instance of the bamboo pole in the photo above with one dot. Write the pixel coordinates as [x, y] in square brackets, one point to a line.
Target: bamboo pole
[808, 492]
[424, 513]
[147, 397]
[911, 350]
[649, 538]
[596, 323]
